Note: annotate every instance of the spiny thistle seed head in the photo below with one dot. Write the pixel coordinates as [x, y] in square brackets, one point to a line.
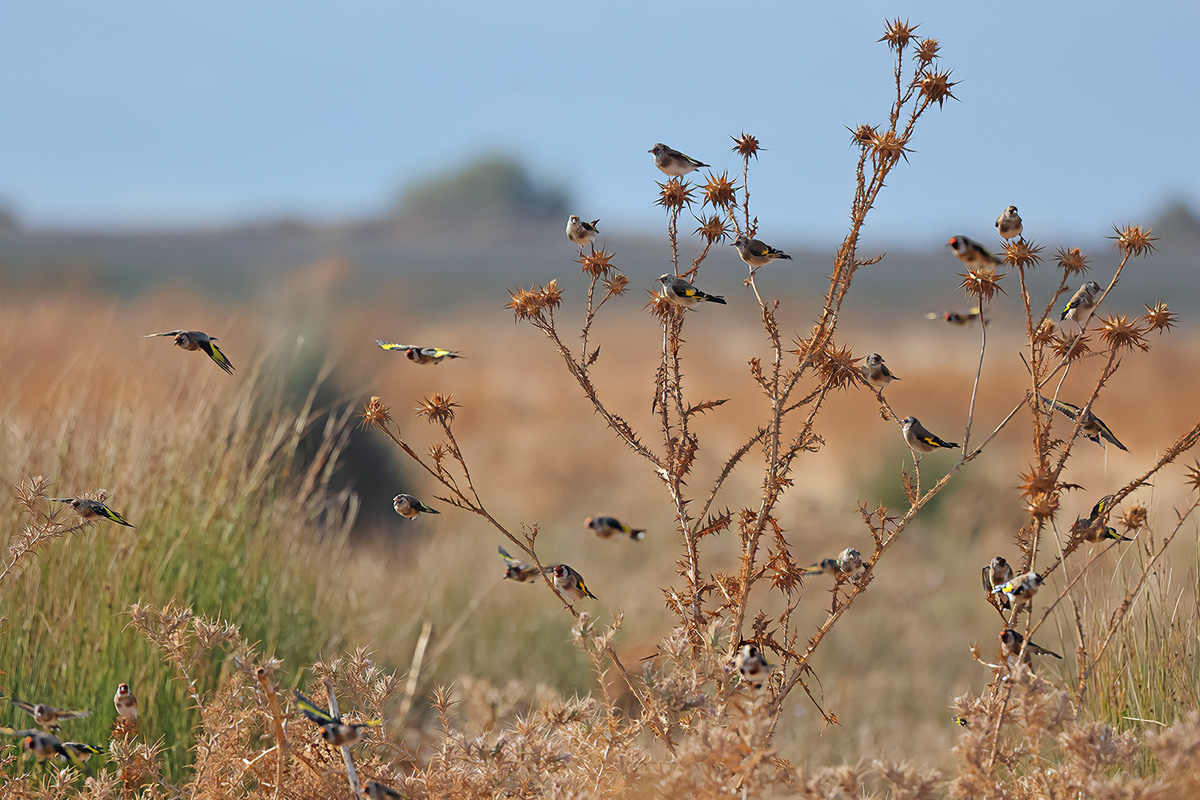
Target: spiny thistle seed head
[936, 87]
[374, 415]
[1022, 254]
[1040, 493]
[927, 50]
[674, 194]
[712, 229]
[864, 135]
[551, 294]
[746, 145]
[616, 284]
[838, 367]
[1071, 347]
[1159, 317]
[438, 408]
[660, 306]
[1119, 333]
[898, 34]
[1192, 476]
[982, 283]
[719, 191]
[1133, 517]
[1072, 262]
[1133, 241]
[525, 303]
[597, 263]
[890, 147]
[1045, 332]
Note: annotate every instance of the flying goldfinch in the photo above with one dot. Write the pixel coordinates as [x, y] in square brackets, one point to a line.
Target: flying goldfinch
[959, 318]
[1008, 224]
[41, 744]
[377, 791]
[682, 293]
[920, 439]
[1091, 426]
[91, 509]
[1021, 589]
[519, 571]
[570, 583]
[751, 665]
[672, 162]
[756, 253]
[420, 355]
[971, 252]
[607, 526]
[198, 340]
[846, 564]
[125, 702]
[82, 752]
[1082, 303]
[45, 716]
[333, 729]
[876, 372]
[581, 232]
[409, 507]
[997, 573]
[1010, 649]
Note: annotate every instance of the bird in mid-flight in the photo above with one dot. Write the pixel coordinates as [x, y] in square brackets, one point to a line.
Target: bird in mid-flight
[198, 340]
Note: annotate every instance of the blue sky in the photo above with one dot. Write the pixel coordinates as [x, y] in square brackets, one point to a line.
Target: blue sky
[128, 113]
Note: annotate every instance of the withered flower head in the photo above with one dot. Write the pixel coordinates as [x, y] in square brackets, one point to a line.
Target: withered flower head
[837, 367]
[746, 145]
[1119, 333]
[936, 87]
[719, 191]
[927, 50]
[1159, 318]
[1133, 517]
[374, 414]
[1022, 254]
[674, 194]
[712, 229]
[982, 283]
[864, 134]
[1071, 347]
[616, 285]
[660, 306]
[1045, 332]
[1072, 261]
[1040, 493]
[525, 303]
[1192, 476]
[898, 34]
[439, 408]
[887, 146]
[597, 263]
[1133, 241]
[551, 294]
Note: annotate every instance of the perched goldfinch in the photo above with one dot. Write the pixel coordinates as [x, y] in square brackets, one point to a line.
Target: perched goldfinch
[45, 716]
[125, 702]
[997, 573]
[333, 729]
[876, 372]
[581, 232]
[757, 254]
[959, 318]
[519, 571]
[846, 564]
[672, 162]
[1008, 224]
[409, 507]
[1021, 589]
[751, 665]
[1095, 528]
[682, 293]
[607, 526]
[1091, 426]
[920, 439]
[198, 340]
[420, 355]
[1010, 649]
[42, 745]
[570, 583]
[971, 252]
[377, 791]
[81, 752]
[91, 509]
[1082, 303]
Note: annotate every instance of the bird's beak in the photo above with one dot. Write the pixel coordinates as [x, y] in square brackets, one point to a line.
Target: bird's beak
[651, 150]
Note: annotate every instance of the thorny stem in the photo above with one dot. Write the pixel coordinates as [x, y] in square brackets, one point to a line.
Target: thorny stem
[978, 373]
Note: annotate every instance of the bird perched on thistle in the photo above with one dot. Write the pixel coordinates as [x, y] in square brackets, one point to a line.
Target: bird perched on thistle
[45, 716]
[581, 232]
[125, 701]
[608, 526]
[409, 507]
[1020, 590]
[959, 318]
[519, 571]
[672, 162]
[1008, 224]
[333, 729]
[971, 252]
[1010, 649]
[997, 573]
[377, 791]
[570, 583]
[757, 253]
[198, 340]
[419, 355]
[920, 439]
[684, 294]
[846, 564]
[1082, 303]
[876, 372]
[1094, 528]
[91, 509]
[1090, 425]
[751, 665]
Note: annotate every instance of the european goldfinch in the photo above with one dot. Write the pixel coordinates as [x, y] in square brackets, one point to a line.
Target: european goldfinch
[42, 745]
[570, 583]
[672, 162]
[846, 564]
[198, 340]
[756, 253]
[45, 716]
[581, 232]
[751, 665]
[519, 571]
[1021, 589]
[920, 439]
[684, 294]
[1091, 426]
[91, 509]
[1010, 648]
[1008, 224]
[605, 527]
[1082, 303]
[409, 507]
[959, 318]
[419, 355]
[876, 372]
[997, 573]
[125, 702]
[971, 252]
[333, 729]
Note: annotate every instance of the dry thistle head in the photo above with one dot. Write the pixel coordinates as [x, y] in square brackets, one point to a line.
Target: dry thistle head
[712, 229]
[1159, 318]
[936, 87]
[898, 34]
[1133, 517]
[1192, 476]
[438, 408]
[660, 306]
[525, 303]
[1133, 241]
[598, 263]
[889, 146]
[674, 194]
[864, 135]
[1072, 262]
[1040, 493]
[617, 284]
[1020, 253]
[551, 295]
[927, 51]
[981, 283]
[1119, 333]
[838, 367]
[719, 191]
[374, 415]
[746, 145]
[1071, 347]
[1045, 332]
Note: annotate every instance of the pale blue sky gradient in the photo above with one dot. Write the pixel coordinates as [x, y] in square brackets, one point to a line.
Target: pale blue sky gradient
[127, 113]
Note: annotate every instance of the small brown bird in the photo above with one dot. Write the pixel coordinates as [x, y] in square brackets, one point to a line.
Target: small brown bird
[756, 253]
[581, 232]
[45, 716]
[846, 564]
[1094, 528]
[959, 318]
[1008, 224]
[997, 573]
[125, 702]
[1092, 426]
[920, 439]
[972, 253]
[751, 665]
[91, 509]
[605, 527]
[333, 729]
[570, 583]
[197, 340]
[876, 372]
[1010, 648]
[519, 571]
[377, 791]
[419, 355]
[672, 162]
[410, 507]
